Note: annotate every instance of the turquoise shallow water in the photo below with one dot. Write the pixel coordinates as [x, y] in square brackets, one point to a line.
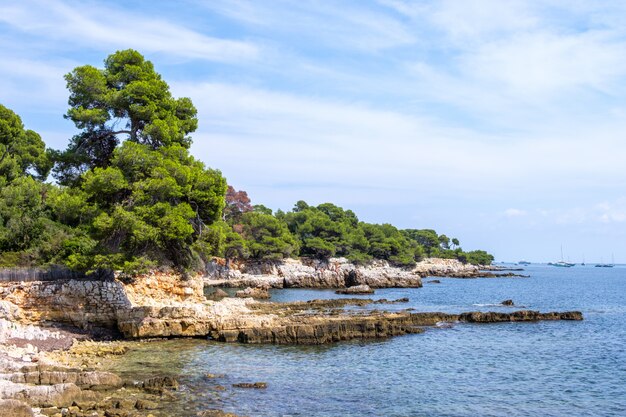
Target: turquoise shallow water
[510, 369]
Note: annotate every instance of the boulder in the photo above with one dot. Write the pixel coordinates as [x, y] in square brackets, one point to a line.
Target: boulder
[508, 303]
[218, 294]
[261, 293]
[357, 289]
[159, 384]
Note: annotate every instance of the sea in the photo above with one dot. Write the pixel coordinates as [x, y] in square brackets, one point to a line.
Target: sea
[561, 368]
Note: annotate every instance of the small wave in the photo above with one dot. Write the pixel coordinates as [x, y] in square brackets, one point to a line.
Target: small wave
[487, 305]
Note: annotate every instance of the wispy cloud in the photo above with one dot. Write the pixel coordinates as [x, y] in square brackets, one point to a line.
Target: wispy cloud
[105, 28]
[345, 25]
[302, 137]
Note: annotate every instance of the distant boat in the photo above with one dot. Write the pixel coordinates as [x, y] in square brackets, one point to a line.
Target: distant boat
[524, 263]
[603, 265]
[561, 263]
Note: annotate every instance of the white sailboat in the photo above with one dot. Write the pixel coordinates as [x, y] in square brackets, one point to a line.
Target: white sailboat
[561, 263]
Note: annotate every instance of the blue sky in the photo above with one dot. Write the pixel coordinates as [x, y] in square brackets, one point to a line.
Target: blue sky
[498, 122]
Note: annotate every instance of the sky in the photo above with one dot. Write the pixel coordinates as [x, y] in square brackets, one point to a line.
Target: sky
[497, 122]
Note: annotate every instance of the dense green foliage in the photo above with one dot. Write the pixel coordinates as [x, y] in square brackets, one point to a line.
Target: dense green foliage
[126, 98]
[131, 197]
[22, 152]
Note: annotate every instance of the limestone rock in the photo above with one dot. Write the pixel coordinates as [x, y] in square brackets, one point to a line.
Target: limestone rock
[15, 408]
[357, 289]
[260, 293]
[313, 273]
[160, 384]
[218, 294]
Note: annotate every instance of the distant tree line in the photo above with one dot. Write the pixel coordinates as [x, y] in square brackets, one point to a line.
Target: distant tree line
[129, 196]
[328, 230]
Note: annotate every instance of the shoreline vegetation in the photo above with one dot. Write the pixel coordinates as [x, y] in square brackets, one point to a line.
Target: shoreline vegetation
[124, 242]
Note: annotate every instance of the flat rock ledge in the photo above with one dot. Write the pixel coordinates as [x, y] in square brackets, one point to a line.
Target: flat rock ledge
[309, 323]
[316, 330]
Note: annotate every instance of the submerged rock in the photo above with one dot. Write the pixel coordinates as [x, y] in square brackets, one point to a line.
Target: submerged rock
[257, 385]
[215, 413]
[397, 301]
[507, 303]
[213, 376]
[159, 384]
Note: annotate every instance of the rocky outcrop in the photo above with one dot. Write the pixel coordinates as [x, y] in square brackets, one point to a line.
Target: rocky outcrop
[452, 268]
[339, 273]
[522, 315]
[322, 328]
[77, 302]
[217, 295]
[311, 273]
[357, 289]
[259, 293]
[168, 306]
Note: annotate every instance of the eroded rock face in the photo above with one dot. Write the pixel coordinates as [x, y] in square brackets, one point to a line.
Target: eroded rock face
[453, 268]
[77, 302]
[312, 273]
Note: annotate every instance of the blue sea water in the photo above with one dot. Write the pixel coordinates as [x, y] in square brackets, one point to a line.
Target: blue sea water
[511, 369]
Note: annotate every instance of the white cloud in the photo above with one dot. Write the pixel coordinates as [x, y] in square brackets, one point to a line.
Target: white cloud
[513, 212]
[279, 138]
[103, 28]
[538, 65]
[469, 20]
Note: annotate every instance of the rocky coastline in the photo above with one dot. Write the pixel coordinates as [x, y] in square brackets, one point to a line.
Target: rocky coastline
[49, 370]
[339, 273]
